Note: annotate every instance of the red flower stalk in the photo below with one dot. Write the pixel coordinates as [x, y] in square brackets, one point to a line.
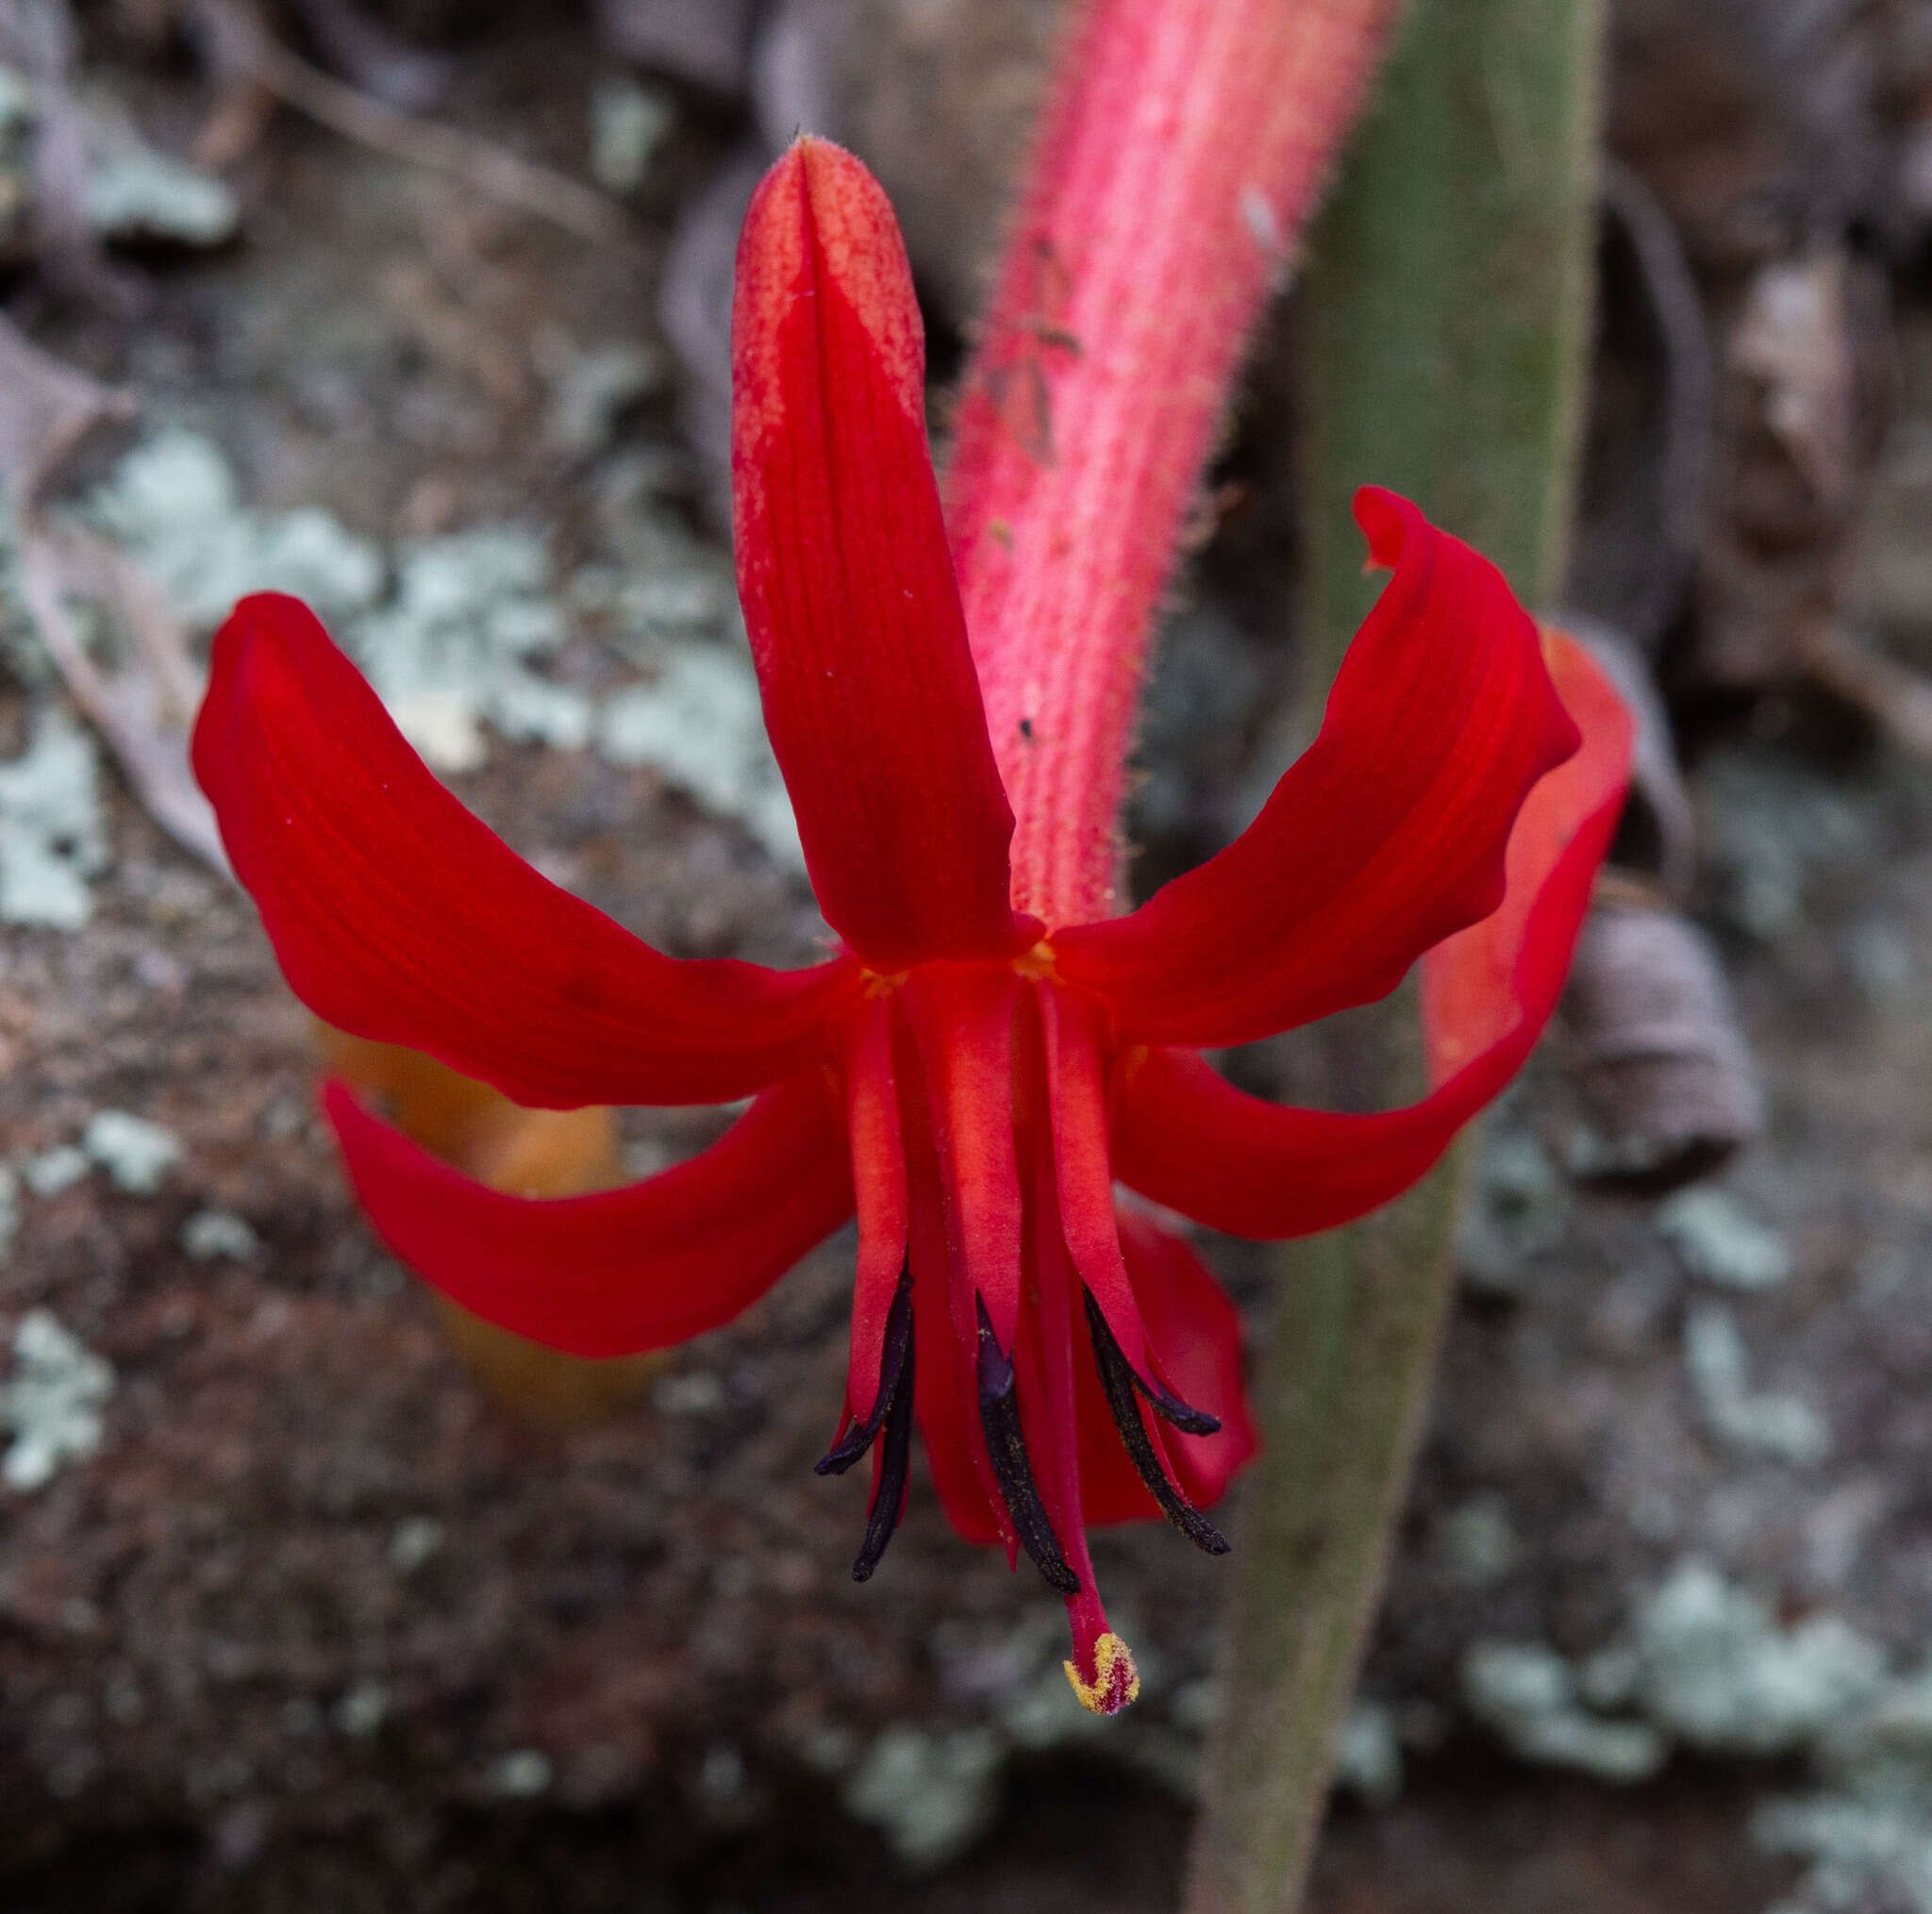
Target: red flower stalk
[970, 1078]
[1178, 157]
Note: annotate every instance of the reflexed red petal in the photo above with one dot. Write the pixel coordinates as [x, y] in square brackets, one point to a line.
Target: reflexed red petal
[1187, 1139]
[1385, 836]
[1185, 1136]
[1478, 986]
[870, 692]
[627, 1269]
[1195, 1334]
[398, 916]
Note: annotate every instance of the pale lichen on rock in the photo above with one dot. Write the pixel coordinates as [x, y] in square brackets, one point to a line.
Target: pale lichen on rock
[930, 1795]
[1785, 1428]
[53, 836]
[175, 503]
[52, 1403]
[135, 1154]
[1722, 1241]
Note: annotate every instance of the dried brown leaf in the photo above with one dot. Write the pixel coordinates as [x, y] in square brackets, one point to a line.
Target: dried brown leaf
[144, 709]
[1657, 1051]
[1794, 337]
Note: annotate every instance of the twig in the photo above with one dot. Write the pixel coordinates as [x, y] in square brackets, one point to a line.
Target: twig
[40, 39]
[48, 410]
[374, 60]
[1895, 698]
[143, 715]
[1656, 778]
[1689, 391]
[234, 128]
[242, 46]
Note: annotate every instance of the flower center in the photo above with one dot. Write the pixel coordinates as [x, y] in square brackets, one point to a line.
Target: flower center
[988, 1256]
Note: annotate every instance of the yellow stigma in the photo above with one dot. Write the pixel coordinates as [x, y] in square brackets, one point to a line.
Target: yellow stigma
[1116, 1680]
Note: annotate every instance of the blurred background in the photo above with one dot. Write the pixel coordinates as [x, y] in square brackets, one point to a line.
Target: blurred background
[313, 1600]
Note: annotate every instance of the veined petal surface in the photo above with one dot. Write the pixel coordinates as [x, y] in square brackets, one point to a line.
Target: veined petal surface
[398, 916]
[1186, 1137]
[624, 1269]
[1386, 836]
[963, 1017]
[868, 687]
[879, 1193]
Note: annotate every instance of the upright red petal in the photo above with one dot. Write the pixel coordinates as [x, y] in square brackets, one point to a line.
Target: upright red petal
[1187, 1139]
[398, 916]
[626, 1270]
[1385, 835]
[868, 687]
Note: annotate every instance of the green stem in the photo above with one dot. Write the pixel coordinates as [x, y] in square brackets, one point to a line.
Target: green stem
[1343, 1387]
[1445, 321]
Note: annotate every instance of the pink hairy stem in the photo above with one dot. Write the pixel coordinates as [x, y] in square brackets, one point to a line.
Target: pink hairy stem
[1182, 149]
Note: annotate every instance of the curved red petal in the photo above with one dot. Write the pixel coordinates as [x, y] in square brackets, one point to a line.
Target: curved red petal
[626, 1270]
[870, 692]
[1385, 836]
[1478, 987]
[398, 916]
[1189, 1139]
[1195, 1333]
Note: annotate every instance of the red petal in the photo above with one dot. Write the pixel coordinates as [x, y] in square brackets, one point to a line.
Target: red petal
[398, 916]
[1083, 1170]
[1385, 836]
[1195, 1334]
[878, 1181]
[1185, 1136]
[944, 1337]
[1049, 1353]
[870, 692]
[963, 1017]
[1477, 987]
[626, 1270]
[1189, 1139]
[948, 1415]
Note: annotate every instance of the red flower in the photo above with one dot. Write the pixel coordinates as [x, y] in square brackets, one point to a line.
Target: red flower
[970, 1079]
